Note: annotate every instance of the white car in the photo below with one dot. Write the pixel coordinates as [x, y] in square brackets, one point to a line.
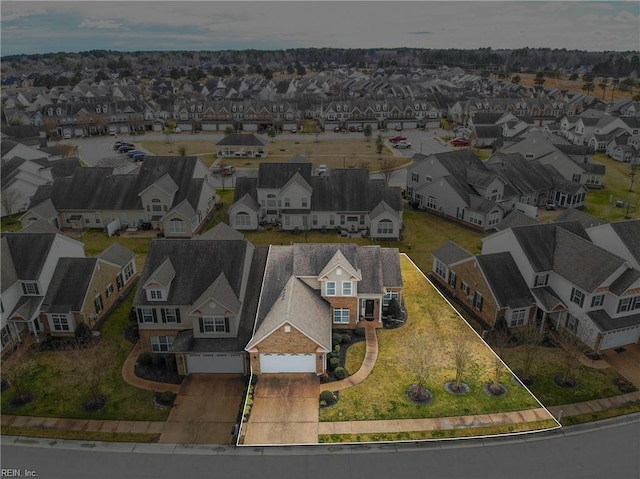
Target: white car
[177, 130]
[322, 169]
[113, 130]
[402, 144]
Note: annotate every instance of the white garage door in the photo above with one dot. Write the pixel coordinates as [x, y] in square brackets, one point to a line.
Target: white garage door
[215, 363]
[288, 363]
[620, 338]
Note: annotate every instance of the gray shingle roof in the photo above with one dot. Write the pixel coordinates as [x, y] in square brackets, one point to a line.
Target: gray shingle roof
[242, 139]
[117, 254]
[629, 234]
[69, 285]
[606, 323]
[505, 280]
[197, 264]
[624, 281]
[220, 232]
[246, 186]
[516, 218]
[526, 176]
[572, 214]
[276, 175]
[548, 299]
[451, 252]
[28, 252]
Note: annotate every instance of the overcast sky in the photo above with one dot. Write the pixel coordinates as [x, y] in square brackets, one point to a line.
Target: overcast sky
[72, 26]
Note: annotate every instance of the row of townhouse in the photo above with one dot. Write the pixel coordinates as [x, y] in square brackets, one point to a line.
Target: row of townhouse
[542, 109]
[294, 197]
[219, 304]
[461, 187]
[49, 286]
[561, 275]
[173, 194]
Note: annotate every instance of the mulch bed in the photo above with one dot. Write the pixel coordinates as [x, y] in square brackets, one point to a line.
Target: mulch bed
[419, 394]
[496, 392]
[91, 405]
[25, 399]
[131, 332]
[624, 385]
[558, 380]
[51, 343]
[461, 391]
[158, 374]
[355, 338]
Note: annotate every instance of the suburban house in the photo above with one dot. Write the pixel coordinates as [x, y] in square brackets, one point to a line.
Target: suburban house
[459, 186]
[211, 299]
[294, 197]
[85, 290]
[174, 194]
[197, 299]
[307, 290]
[578, 284]
[29, 263]
[242, 145]
[488, 285]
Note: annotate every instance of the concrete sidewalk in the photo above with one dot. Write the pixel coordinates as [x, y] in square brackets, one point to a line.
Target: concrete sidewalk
[86, 425]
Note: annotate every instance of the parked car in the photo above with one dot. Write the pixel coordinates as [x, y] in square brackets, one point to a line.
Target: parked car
[359, 128]
[397, 138]
[352, 129]
[337, 129]
[322, 169]
[130, 153]
[113, 130]
[66, 134]
[177, 129]
[461, 130]
[118, 144]
[138, 157]
[460, 142]
[223, 169]
[125, 149]
[550, 206]
[402, 144]
[398, 128]
[294, 130]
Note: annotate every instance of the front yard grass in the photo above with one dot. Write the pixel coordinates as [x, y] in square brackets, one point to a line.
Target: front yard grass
[56, 396]
[383, 394]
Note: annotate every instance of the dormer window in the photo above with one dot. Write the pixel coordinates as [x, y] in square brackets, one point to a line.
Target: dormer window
[30, 288]
[98, 109]
[155, 294]
[338, 108]
[281, 108]
[58, 111]
[104, 108]
[50, 112]
[274, 108]
[331, 288]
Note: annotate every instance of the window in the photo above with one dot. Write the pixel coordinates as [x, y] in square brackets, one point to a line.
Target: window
[147, 315]
[494, 218]
[170, 315]
[386, 299]
[465, 288]
[5, 336]
[352, 219]
[331, 288]
[271, 200]
[440, 269]
[176, 225]
[161, 344]
[314, 220]
[155, 206]
[541, 279]
[517, 317]
[128, 272]
[60, 322]
[30, 288]
[155, 294]
[478, 301]
[287, 202]
[431, 202]
[109, 291]
[341, 315]
[361, 220]
[332, 220]
[243, 219]
[453, 279]
[628, 304]
[347, 288]
[342, 219]
[597, 300]
[214, 324]
[577, 297]
[415, 177]
[98, 304]
[385, 227]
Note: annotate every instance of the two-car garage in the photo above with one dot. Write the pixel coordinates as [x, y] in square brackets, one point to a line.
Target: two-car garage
[215, 363]
[287, 363]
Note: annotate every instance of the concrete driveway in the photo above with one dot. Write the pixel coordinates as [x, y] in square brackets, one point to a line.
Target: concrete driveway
[285, 410]
[205, 410]
[626, 362]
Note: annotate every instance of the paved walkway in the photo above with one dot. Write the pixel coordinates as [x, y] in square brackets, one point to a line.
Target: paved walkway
[88, 425]
[369, 361]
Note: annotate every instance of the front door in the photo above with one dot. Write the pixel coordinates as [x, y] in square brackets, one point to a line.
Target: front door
[368, 308]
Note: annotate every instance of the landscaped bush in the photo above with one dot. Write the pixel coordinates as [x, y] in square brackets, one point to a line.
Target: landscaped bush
[158, 361]
[82, 333]
[165, 398]
[171, 364]
[328, 398]
[346, 338]
[336, 339]
[340, 373]
[361, 332]
[334, 362]
[144, 359]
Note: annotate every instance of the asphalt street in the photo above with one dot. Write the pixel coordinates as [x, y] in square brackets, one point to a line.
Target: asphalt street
[607, 449]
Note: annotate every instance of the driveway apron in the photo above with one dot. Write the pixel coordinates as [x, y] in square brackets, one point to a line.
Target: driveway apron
[205, 410]
[285, 410]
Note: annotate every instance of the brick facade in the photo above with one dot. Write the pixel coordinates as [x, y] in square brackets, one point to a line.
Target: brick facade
[350, 302]
[145, 337]
[281, 342]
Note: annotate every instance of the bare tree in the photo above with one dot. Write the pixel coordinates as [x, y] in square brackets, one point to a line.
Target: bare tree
[88, 369]
[461, 356]
[499, 343]
[368, 132]
[572, 349]
[531, 338]
[9, 199]
[182, 150]
[420, 365]
[67, 150]
[15, 371]
[634, 166]
[223, 173]
[379, 145]
[387, 167]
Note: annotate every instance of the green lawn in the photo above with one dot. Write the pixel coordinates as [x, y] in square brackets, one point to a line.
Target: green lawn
[383, 394]
[601, 203]
[10, 223]
[59, 394]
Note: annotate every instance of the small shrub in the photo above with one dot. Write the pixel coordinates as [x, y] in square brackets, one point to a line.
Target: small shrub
[327, 396]
[82, 333]
[346, 339]
[158, 361]
[323, 403]
[334, 354]
[144, 359]
[336, 339]
[334, 362]
[361, 332]
[171, 364]
[336, 348]
[167, 397]
[340, 373]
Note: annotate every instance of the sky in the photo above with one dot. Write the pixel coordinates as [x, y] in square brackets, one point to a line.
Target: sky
[72, 26]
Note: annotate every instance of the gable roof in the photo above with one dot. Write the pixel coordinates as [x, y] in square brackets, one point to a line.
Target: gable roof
[629, 234]
[276, 175]
[516, 218]
[504, 279]
[117, 254]
[451, 252]
[221, 292]
[221, 232]
[242, 139]
[69, 285]
[572, 214]
[28, 253]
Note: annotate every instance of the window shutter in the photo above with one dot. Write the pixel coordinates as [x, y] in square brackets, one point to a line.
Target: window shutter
[155, 315]
[164, 315]
[226, 325]
[201, 324]
[119, 281]
[24, 288]
[178, 315]
[139, 311]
